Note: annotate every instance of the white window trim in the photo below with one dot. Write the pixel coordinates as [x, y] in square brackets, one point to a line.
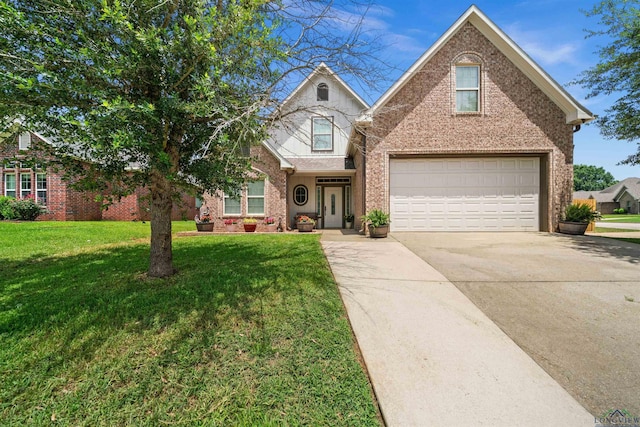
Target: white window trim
[24, 189]
[15, 185]
[263, 197]
[313, 133]
[41, 190]
[468, 89]
[224, 204]
[24, 141]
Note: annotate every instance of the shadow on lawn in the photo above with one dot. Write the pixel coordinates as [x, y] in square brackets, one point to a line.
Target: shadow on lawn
[107, 291]
[605, 247]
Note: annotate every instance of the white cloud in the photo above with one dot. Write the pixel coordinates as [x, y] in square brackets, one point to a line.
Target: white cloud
[541, 47]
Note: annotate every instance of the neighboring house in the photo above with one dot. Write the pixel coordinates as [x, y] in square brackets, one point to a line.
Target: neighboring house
[62, 202]
[474, 136]
[624, 194]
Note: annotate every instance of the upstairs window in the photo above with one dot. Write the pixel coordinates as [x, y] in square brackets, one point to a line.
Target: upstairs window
[24, 141]
[322, 134]
[323, 92]
[468, 88]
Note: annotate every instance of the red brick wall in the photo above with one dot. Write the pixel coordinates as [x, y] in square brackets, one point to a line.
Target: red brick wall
[275, 192]
[66, 204]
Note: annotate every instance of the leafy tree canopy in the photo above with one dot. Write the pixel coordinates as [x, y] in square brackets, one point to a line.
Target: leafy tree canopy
[618, 71]
[162, 93]
[591, 178]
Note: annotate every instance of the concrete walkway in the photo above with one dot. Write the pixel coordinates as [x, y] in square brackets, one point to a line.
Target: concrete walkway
[433, 357]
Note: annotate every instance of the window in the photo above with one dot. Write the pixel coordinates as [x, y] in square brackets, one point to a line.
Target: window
[467, 88]
[322, 134]
[41, 188]
[255, 198]
[323, 92]
[24, 141]
[232, 204]
[347, 200]
[25, 185]
[300, 195]
[318, 201]
[10, 185]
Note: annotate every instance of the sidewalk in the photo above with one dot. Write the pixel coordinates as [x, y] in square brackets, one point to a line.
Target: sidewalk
[433, 357]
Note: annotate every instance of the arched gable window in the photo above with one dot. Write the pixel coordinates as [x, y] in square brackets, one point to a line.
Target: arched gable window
[323, 92]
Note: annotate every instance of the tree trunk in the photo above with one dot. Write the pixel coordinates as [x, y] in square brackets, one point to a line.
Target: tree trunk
[161, 256]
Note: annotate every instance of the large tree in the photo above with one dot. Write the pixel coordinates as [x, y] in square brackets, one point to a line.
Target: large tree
[591, 178]
[162, 93]
[618, 72]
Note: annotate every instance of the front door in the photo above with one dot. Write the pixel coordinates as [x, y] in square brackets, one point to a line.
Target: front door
[333, 207]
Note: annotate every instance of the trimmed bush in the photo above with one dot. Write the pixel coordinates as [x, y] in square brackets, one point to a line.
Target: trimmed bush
[27, 209]
[21, 209]
[6, 207]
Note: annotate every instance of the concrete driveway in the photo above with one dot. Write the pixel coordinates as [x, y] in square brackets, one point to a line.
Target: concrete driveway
[571, 303]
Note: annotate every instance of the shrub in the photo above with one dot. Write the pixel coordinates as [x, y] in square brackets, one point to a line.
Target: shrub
[581, 212]
[376, 218]
[27, 209]
[6, 207]
[620, 211]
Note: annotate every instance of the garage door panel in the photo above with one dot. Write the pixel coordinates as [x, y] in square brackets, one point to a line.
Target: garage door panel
[483, 194]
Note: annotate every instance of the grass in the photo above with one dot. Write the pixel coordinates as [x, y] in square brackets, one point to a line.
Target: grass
[622, 218]
[251, 331]
[613, 230]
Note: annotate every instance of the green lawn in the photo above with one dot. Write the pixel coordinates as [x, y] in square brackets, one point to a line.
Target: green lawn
[621, 218]
[251, 331]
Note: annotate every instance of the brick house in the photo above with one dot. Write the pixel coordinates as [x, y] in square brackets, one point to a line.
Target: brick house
[64, 203]
[474, 136]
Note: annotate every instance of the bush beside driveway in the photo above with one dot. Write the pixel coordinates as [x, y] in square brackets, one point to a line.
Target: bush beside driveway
[572, 303]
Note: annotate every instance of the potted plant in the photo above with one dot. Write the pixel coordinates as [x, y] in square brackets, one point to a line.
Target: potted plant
[378, 223]
[230, 224]
[250, 224]
[348, 220]
[270, 223]
[577, 218]
[305, 224]
[204, 222]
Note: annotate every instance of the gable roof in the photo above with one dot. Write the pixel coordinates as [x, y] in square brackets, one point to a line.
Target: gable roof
[324, 69]
[629, 185]
[575, 113]
[614, 192]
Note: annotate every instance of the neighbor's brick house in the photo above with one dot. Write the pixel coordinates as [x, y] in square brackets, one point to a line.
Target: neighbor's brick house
[62, 202]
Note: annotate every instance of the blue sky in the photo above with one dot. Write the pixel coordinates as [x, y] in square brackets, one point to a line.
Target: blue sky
[550, 31]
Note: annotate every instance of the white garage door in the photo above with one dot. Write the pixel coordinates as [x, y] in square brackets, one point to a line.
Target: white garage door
[475, 194]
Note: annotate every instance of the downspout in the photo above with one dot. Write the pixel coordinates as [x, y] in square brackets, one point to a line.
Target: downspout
[364, 177]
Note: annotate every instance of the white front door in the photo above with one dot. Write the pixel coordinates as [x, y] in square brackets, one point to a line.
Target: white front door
[333, 207]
